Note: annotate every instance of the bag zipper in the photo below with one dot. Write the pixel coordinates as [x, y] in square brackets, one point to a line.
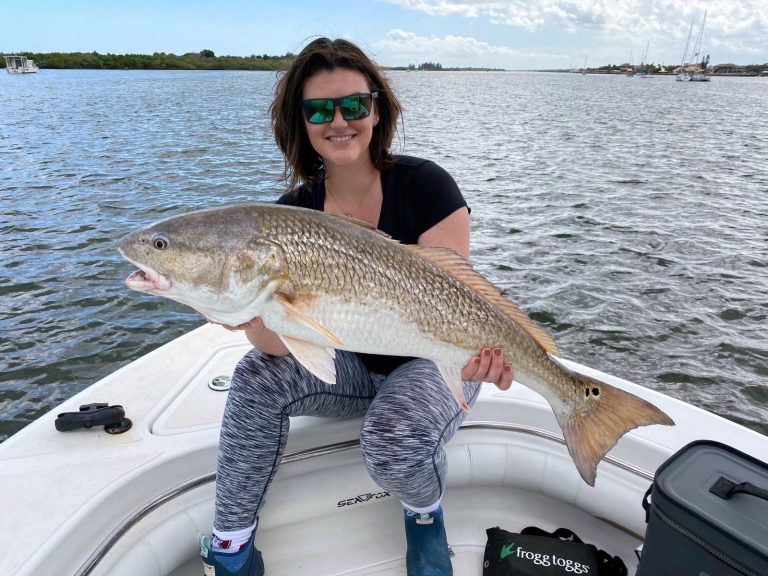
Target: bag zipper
[695, 538]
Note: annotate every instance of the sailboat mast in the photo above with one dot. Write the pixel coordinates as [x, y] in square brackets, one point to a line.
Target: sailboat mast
[687, 42]
[699, 38]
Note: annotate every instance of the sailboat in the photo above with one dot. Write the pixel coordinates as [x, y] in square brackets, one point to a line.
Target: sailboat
[693, 72]
[631, 71]
[643, 72]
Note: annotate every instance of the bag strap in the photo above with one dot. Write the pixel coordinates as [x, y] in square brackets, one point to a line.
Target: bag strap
[607, 565]
[647, 503]
[560, 534]
[724, 488]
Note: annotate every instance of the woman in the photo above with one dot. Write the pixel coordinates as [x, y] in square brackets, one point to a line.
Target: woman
[334, 116]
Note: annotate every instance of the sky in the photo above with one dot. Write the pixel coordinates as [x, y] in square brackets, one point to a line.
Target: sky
[508, 34]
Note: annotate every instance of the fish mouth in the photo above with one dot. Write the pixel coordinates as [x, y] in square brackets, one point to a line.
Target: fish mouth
[146, 279]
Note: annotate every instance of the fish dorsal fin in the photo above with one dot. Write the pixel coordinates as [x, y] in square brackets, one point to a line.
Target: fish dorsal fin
[452, 263]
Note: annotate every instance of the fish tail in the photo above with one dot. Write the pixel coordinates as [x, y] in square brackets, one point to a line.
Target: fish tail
[595, 423]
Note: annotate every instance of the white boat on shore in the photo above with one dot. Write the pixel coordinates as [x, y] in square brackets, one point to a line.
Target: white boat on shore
[20, 65]
[87, 502]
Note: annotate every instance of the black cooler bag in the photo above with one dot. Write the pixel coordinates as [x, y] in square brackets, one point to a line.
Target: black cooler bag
[708, 514]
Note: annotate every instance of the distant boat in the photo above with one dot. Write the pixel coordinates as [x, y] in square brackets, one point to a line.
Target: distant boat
[700, 76]
[693, 72]
[644, 72]
[631, 69]
[20, 65]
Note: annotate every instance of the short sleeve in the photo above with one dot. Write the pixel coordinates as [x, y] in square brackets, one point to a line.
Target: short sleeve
[417, 195]
[435, 195]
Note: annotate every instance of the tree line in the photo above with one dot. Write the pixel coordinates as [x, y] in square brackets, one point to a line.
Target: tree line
[203, 60]
[437, 67]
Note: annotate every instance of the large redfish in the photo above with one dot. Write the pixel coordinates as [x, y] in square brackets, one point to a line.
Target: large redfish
[323, 282]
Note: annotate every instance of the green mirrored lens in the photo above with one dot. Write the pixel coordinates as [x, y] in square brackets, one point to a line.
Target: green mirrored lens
[354, 107]
[319, 110]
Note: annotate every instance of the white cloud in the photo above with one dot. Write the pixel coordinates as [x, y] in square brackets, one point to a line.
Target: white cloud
[441, 8]
[401, 47]
[728, 16]
[460, 46]
[735, 28]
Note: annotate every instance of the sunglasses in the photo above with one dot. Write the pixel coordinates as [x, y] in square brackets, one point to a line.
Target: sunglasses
[353, 107]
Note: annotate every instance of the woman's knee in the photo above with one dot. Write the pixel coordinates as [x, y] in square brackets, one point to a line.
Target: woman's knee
[404, 431]
[261, 375]
[392, 448]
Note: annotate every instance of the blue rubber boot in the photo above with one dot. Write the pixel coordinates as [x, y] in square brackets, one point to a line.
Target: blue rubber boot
[246, 562]
[428, 553]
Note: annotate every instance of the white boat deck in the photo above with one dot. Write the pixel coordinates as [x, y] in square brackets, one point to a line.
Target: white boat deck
[88, 502]
[365, 539]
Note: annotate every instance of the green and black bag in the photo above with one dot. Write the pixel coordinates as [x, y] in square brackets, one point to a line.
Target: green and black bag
[535, 552]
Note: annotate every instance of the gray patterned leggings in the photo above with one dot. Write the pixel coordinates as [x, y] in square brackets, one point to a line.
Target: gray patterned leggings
[408, 416]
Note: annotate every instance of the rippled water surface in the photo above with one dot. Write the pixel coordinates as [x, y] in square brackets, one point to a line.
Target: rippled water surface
[628, 215]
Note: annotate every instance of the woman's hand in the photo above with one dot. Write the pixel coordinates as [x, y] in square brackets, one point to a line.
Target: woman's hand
[259, 336]
[254, 324]
[489, 366]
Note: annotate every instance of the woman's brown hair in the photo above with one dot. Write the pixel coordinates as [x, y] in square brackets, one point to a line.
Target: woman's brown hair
[302, 163]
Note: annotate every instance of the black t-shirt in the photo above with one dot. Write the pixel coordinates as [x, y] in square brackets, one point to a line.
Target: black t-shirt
[417, 194]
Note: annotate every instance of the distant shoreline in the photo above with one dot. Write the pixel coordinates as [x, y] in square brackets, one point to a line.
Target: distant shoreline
[624, 73]
[203, 60]
[207, 60]
[404, 69]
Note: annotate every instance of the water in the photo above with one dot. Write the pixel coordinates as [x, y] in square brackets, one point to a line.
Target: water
[629, 216]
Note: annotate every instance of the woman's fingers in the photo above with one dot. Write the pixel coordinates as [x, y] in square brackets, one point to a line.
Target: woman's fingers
[489, 366]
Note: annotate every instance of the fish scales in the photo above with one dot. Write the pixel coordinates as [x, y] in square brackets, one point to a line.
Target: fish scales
[371, 268]
[380, 272]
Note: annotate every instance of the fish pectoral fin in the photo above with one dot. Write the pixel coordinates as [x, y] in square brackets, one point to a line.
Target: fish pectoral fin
[319, 360]
[299, 316]
[452, 377]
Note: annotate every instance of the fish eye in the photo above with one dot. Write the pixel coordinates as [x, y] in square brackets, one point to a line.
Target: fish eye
[159, 242]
